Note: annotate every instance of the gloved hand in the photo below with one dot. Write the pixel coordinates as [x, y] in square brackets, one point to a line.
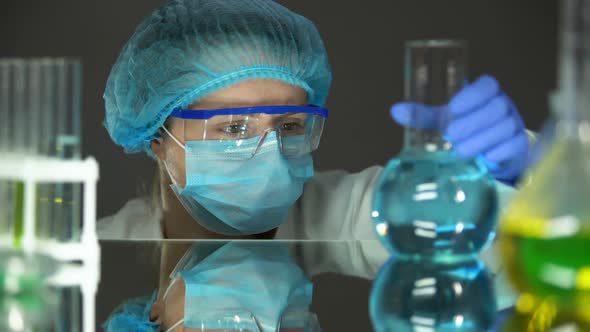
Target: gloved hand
[484, 124]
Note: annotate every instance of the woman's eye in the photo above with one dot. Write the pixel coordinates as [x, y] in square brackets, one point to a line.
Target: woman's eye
[235, 128]
[292, 126]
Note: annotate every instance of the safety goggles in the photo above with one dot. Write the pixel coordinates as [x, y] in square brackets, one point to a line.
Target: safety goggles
[298, 129]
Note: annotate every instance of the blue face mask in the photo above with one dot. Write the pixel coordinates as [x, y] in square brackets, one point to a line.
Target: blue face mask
[246, 286]
[230, 193]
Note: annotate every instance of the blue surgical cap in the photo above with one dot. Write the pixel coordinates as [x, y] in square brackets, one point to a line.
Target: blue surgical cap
[133, 315]
[190, 48]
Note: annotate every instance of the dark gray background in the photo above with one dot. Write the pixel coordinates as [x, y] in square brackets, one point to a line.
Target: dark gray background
[513, 40]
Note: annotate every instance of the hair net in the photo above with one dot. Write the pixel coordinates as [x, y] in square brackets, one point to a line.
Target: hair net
[189, 48]
[133, 315]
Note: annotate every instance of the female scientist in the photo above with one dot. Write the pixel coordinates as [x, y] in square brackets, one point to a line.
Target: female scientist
[228, 98]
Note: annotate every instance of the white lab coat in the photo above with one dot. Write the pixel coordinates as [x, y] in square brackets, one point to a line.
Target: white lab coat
[335, 205]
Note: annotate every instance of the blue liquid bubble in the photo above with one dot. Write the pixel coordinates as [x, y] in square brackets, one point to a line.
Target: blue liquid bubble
[435, 205]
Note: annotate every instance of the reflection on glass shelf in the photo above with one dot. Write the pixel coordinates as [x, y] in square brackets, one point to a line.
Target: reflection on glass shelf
[28, 302]
[425, 297]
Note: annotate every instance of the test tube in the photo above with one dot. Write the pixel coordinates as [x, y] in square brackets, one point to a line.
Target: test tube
[45, 192]
[34, 107]
[14, 138]
[19, 109]
[5, 120]
[69, 119]
[59, 205]
[6, 125]
[69, 310]
[67, 201]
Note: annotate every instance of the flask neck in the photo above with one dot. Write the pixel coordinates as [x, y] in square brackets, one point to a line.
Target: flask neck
[435, 70]
[422, 141]
[566, 129]
[571, 104]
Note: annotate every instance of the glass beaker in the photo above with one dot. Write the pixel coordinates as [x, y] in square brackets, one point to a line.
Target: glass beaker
[422, 296]
[545, 232]
[430, 202]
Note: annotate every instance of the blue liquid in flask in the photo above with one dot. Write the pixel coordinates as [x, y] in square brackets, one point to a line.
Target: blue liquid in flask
[430, 203]
[417, 296]
[435, 205]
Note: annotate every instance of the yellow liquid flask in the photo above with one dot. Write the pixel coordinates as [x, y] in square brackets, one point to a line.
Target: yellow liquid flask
[545, 232]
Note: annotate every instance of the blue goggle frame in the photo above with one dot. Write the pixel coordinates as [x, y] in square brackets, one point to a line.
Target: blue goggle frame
[278, 109]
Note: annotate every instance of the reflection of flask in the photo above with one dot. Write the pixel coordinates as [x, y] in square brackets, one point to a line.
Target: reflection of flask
[418, 296]
[546, 229]
[429, 201]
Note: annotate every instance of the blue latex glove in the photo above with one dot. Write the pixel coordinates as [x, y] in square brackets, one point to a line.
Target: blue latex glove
[484, 124]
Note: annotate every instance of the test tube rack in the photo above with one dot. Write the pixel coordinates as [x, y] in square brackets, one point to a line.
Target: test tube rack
[80, 261]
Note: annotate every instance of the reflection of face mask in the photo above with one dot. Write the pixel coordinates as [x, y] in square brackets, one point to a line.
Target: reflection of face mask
[248, 196]
[245, 286]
